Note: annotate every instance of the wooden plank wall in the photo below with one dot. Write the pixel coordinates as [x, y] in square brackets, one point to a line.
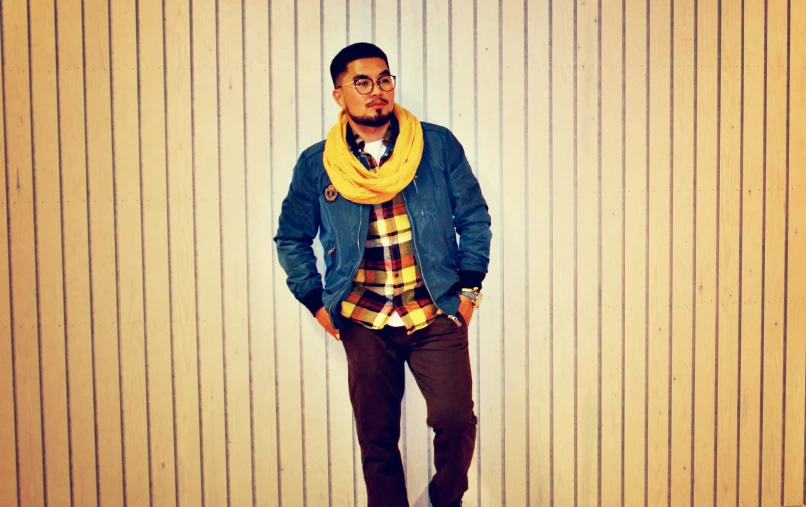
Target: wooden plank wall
[643, 337]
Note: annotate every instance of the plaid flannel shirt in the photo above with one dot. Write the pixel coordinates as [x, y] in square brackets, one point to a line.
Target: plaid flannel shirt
[387, 279]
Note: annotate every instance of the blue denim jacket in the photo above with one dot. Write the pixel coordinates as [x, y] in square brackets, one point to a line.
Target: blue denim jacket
[443, 199]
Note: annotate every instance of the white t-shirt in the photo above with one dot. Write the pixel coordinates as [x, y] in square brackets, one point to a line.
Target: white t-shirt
[376, 149]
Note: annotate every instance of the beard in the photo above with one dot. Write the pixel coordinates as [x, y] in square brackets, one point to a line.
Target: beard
[376, 118]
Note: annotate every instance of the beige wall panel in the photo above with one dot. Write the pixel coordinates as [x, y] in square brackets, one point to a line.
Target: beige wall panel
[260, 252]
[8, 427]
[660, 237]
[635, 275]
[513, 299]
[130, 276]
[538, 268]
[463, 125]
[437, 62]
[490, 318]
[772, 365]
[103, 253]
[705, 246]
[682, 253]
[729, 254]
[655, 353]
[313, 339]
[74, 191]
[22, 254]
[361, 23]
[185, 357]
[50, 282]
[343, 466]
[564, 269]
[752, 205]
[795, 385]
[587, 261]
[206, 156]
[233, 251]
[287, 311]
[155, 252]
[612, 219]
[387, 37]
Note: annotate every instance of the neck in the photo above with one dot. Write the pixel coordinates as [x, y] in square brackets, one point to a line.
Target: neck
[367, 133]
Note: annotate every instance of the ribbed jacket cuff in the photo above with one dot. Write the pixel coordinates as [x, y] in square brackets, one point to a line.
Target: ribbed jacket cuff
[470, 279]
[313, 300]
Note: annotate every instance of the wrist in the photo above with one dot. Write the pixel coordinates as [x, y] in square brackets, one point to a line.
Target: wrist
[472, 294]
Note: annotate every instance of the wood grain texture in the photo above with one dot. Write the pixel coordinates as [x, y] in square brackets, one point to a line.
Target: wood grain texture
[641, 340]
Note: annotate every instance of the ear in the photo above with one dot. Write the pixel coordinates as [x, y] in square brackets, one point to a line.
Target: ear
[337, 96]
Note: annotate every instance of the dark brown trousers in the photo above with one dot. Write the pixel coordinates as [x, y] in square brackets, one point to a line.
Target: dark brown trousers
[439, 361]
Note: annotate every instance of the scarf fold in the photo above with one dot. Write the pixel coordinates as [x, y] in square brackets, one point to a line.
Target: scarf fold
[354, 182]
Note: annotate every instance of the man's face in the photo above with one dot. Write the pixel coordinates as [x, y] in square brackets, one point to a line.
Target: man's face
[373, 109]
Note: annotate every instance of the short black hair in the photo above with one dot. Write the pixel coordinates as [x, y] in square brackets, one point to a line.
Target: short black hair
[354, 52]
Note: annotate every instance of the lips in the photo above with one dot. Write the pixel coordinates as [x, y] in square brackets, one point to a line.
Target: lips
[377, 104]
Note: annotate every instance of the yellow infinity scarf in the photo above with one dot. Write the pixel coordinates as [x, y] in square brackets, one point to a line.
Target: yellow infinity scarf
[352, 179]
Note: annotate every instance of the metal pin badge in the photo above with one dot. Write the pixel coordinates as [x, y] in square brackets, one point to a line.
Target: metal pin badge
[331, 193]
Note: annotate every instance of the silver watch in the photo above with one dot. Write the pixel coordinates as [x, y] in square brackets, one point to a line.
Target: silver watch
[473, 295]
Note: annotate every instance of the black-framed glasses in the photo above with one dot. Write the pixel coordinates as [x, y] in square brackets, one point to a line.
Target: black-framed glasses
[365, 85]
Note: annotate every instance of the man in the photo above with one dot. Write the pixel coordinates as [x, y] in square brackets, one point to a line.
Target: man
[387, 196]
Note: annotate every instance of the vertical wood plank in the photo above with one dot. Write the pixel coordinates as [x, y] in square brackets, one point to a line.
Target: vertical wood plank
[78, 318]
[612, 251]
[310, 82]
[513, 300]
[774, 255]
[683, 251]
[8, 415]
[155, 251]
[181, 244]
[361, 23]
[387, 36]
[48, 218]
[729, 254]
[660, 236]
[539, 244]
[103, 249]
[751, 247]
[588, 200]
[635, 254]
[233, 252]
[260, 252]
[794, 446]
[287, 310]
[344, 469]
[706, 267]
[128, 219]
[463, 125]
[22, 254]
[490, 316]
[208, 252]
[564, 229]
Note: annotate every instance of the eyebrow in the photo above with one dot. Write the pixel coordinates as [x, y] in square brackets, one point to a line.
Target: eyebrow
[364, 76]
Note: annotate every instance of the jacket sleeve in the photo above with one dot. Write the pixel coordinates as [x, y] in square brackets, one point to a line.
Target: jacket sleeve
[298, 225]
[470, 216]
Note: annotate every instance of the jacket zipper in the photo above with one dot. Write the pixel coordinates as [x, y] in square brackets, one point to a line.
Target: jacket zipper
[419, 262]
